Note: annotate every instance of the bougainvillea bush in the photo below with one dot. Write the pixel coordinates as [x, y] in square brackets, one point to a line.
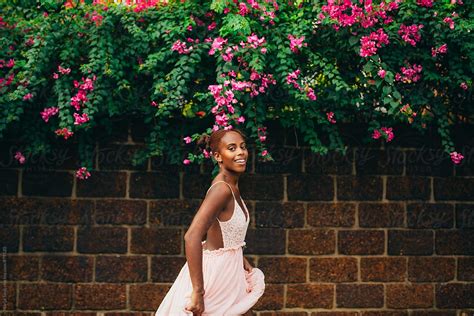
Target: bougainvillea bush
[185, 68]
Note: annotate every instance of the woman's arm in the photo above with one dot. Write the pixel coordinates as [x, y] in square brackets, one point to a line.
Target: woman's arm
[247, 266]
[215, 201]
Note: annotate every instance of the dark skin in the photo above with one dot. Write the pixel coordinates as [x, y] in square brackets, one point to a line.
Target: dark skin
[219, 203]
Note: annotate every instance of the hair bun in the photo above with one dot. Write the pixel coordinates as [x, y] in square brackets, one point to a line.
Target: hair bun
[204, 140]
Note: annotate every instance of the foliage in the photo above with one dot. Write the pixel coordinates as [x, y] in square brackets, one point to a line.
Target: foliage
[186, 68]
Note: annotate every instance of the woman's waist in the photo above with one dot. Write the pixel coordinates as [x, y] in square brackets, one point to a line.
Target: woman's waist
[229, 247]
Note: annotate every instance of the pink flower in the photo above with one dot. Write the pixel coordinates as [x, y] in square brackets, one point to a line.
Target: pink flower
[82, 173]
[29, 42]
[463, 86]
[228, 55]
[241, 119]
[64, 71]
[370, 43]
[222, 119]
[11, 63]
[456, 157]
[381, 73]
[264, 153]
[387, 133]
[330, 116]
[425, 3]
[291, 78]
[212, 26]
[217, 45]
[310, 94]
[19, 156]
[254, 75]
[410, 34]
[48, 112]
[243, 10]
[263, 50]
[64, 132]
[27, 96]
[376, 134]
[55, 76]
[97, 18]
[254, 41]
[207, 154]
[410, 74]
[215, 90]
[153, 103]
[440, 50]
[187, 139]
[181, 47]
[262, 138]
[81, 96]
[347, 13]
[186, 161]
[450, 22]
[80, 119]
[296, 43]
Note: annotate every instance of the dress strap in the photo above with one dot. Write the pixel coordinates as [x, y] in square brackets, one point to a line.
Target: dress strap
[225, 183]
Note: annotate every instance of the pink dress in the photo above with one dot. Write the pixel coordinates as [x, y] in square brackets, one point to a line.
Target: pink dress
[229, 288]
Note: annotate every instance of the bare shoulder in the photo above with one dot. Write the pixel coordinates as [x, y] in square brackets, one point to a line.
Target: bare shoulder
[215, 201]
[219, 191]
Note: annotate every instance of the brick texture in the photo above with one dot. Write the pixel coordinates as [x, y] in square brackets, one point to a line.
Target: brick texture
[333, 269]
[431, 269]
[311, 242]
[310, 296]
[331, 215]
[359, 295]
[361, 242]
[410, 242]
[381, 215]
[378, 232]
[100, 296]
[382, 269]
[410, 295]
[284, 270]
[44, 296]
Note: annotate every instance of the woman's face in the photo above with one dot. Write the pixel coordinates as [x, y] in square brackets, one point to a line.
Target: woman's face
[232, 152]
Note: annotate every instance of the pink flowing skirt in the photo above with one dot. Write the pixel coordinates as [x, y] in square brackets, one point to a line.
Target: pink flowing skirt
[229, 288]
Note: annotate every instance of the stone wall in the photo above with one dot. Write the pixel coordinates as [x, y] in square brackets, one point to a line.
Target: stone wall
[381, 231]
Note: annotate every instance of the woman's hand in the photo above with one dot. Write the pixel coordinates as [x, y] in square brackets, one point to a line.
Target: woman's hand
[197, 304]
[247, 266]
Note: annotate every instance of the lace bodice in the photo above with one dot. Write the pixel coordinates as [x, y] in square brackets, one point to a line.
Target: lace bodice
[234, 229]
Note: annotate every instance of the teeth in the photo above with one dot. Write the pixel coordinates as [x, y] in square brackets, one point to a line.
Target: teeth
[241, 160]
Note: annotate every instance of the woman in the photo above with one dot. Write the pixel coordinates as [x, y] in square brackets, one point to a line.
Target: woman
[216, 278]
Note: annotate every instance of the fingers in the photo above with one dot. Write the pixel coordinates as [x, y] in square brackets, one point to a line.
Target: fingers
[196, 311]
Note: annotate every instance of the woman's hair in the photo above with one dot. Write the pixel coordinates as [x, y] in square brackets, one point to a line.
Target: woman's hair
[216, 136]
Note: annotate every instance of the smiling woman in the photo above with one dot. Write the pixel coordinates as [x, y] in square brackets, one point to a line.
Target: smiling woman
[216, 278]
[231, 142]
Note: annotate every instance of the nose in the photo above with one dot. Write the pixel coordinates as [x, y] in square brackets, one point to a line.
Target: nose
[241, 151]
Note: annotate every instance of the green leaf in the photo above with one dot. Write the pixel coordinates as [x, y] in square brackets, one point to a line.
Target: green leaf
[353, 40]
[218, 5]
[233, 24]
